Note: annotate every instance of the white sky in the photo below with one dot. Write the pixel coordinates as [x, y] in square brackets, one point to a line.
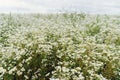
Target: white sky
[46, 6]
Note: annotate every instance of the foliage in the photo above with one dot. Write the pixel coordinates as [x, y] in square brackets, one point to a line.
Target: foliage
[59, 46]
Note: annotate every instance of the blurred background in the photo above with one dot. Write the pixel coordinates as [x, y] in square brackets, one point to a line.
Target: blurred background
[55, 6]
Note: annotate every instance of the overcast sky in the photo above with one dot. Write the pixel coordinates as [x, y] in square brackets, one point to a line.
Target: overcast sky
[48, 6]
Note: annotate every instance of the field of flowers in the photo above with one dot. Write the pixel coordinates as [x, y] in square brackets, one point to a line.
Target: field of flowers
[59, 46]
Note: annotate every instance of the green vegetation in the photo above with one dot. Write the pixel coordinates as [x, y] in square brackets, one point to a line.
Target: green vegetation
[66, 46]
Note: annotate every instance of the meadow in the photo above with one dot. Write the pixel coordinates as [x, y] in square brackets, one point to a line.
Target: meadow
[67, 46]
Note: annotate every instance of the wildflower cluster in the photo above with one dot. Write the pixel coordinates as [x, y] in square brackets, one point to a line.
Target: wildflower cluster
[59, 46]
